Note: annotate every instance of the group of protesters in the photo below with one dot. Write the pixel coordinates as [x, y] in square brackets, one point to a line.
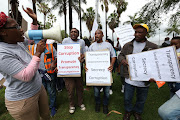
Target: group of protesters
[29, 72]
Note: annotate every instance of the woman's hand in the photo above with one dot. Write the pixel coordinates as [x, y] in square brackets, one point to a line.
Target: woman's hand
[31, 14]
[41, 46]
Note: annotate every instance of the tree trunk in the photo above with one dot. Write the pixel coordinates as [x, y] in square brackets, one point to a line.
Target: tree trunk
[65, 18]
[106, 23]
[34, 6]
[70, 16]
[80, 19]
[44, 21]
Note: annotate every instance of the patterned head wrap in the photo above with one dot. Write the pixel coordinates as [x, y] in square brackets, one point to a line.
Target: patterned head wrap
[3, 19]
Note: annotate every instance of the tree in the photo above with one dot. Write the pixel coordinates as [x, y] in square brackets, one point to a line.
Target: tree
[133, 20]
[63, 34]
[49, 23]
[80, 9]
[34, 4]
[62, 6]
[153, 11]
[43, 8]
[173, 29]
[51, 19]
[121, 6]
[89, 18]
[113, 21]
[105, 3]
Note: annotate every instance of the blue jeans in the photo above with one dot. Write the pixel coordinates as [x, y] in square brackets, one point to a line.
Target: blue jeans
[141, 95]
[97, 94]
[50, 86]
[170, 110]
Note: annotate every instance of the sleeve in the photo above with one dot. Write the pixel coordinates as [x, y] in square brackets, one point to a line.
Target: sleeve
[9, 60]
[28, 73]
[112, 51]
[34, 27]
[122, 54]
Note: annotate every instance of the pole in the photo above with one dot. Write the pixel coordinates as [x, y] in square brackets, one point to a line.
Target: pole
[159, 37]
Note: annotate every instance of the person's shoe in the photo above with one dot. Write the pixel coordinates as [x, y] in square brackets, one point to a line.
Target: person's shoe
[137, 116]
[122, 89]
[105, 109]
[53, 111]
[83, 108]
[97, 108]
[127, 115]
[71, 110]
[110, 92]
[101, 90]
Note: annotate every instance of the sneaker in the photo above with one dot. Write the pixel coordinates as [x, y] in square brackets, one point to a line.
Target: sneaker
[101, 90]
[53, 111]
[122, 89]
[71, 110]
[110, 92]
[83, 108]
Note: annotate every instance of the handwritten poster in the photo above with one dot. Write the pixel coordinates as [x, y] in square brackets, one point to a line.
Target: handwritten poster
[68, 64]
[97, 63]
[125, 33]
[160, 64]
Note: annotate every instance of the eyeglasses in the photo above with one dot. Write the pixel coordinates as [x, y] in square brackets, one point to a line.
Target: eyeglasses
[15, 27]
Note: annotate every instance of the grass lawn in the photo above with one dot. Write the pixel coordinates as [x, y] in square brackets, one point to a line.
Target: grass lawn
[156, 97]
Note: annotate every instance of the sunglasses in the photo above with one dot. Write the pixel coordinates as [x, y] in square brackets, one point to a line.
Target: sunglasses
[15, 27]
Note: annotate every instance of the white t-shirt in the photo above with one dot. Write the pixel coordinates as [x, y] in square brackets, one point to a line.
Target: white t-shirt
[102, 46]
[80, 41]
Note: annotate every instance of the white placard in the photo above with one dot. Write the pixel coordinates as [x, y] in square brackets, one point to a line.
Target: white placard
[97, 63]
[67, 60]
[160, 64]
[125, 33]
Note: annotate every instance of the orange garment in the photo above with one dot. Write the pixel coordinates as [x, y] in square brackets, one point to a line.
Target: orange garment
[47, 61]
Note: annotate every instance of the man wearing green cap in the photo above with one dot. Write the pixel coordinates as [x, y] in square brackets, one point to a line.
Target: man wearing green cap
[137, 45]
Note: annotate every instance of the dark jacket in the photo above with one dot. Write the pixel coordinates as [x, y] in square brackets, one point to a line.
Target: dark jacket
[128, 49]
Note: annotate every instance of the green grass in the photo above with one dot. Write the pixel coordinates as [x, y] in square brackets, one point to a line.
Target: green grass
[156, 97]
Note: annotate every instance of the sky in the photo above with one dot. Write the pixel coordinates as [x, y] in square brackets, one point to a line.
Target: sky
[133, 6]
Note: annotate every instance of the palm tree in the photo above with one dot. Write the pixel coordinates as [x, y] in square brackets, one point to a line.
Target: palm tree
[89, 18]
[153, 11]
[113, 21]
[173, 29]
[133, 20]
[80, 9]
[62, 5]
[51, 18]
[43, 8]
[105, 3]
[121, 6]
[34, 4]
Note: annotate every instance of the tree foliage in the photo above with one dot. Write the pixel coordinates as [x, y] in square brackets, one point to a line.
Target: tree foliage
[113, 20]
[152, 13]
[89, 17]
[43, 8]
